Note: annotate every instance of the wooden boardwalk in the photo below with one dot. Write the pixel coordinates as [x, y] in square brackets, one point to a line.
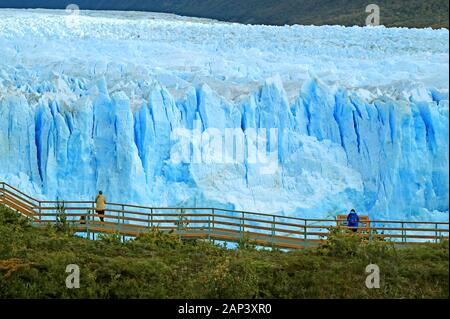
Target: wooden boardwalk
[213, 224]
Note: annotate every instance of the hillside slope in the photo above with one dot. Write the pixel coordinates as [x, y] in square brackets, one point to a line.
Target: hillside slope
[415, 13]
[157, 265]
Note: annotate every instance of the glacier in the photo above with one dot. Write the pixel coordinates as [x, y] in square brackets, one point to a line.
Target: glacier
[94, 101]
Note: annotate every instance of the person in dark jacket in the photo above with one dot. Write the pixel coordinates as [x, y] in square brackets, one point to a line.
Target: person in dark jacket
[353, 220]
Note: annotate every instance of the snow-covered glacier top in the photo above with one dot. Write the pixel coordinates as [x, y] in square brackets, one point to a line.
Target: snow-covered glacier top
[232, 58]
[97, 101]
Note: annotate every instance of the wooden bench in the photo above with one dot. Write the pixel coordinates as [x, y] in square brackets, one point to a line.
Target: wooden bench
[364, 222]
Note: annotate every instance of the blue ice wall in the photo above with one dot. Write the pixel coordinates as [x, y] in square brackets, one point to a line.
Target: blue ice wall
[335, 149]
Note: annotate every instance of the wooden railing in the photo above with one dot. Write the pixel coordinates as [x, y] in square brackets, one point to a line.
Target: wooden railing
[211, 223]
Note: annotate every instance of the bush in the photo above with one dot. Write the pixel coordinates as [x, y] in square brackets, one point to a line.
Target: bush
[8, 216]
[342, 243]
[110, 238]
[160, 265]
[245, 243]
[157, 238]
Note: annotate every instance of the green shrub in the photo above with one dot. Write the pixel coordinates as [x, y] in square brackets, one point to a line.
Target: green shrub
[245, 243]
[342, 243]
[157, 238]
[158, 264]
[8, 216]
[110, 238]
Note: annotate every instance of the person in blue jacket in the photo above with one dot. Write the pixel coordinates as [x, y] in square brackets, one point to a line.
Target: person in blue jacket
[353, 220]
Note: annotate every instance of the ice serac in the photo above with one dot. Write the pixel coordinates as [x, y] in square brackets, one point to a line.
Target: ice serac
[340, 127]
[17, 135]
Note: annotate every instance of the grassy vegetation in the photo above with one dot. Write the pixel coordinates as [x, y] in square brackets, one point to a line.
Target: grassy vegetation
[160, 265]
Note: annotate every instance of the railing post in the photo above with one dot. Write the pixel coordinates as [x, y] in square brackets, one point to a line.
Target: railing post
[403, 233]
[305, 235]
[118, 223]
[88, 216]
[151, 217]
[437, 238]
[273, 230]
[180, 222]
[94, 212]
[87, 224]
[213, 224]
[209, 228]
[123, 221]
[243, 224]
[2, 193]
